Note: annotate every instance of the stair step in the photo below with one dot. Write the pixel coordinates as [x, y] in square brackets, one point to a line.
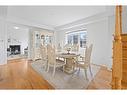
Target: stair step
[124, 37]
[124, 58]
[124, 47]
[125, 71]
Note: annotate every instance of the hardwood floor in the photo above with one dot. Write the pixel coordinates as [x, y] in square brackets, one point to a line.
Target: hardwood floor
[18, 74]
[102, 80]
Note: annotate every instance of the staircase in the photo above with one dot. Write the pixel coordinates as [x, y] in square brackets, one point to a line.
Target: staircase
[124, 58]
[119, 69]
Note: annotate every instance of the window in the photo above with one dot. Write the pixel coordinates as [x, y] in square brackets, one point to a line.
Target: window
[78, 37]
[82, 39]
[75, 39]
[69, 39]
[48, 39]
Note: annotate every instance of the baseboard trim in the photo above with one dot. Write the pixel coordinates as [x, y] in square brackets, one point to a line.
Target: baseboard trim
[109, 69]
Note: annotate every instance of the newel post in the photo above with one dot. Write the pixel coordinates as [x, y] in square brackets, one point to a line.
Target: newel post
[117, 51]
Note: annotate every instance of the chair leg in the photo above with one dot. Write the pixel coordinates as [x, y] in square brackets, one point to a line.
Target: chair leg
[85, 71]
[47, 68]
[54, 69]
[47, 65]
[73, 68]
[90, 71]
[78, 71]
[63, 68]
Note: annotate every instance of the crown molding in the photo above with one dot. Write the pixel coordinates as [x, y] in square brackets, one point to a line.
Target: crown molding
[85, 21]
[29, 23]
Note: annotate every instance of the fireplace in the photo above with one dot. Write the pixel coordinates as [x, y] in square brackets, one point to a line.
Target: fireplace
[14, 49]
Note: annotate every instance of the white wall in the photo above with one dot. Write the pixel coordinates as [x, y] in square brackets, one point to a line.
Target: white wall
[60, 38]
[3, 35]
[3, 49]
[98, 36]
[124, 19]
[111, 30]
[20, 35]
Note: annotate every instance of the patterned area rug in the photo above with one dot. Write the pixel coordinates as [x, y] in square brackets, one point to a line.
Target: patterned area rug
[62, 80]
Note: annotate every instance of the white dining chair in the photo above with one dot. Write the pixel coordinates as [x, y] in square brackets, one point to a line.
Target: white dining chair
[59, 48]
[85, 63]
[43, 52]
[42, 61]
[75, 48]
[52, 62]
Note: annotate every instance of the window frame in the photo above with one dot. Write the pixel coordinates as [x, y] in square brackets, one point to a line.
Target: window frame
[78, 32]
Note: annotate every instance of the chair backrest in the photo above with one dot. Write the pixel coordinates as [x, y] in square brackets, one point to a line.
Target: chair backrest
[43, 52]
[88, 54]
[75, 48]
[51, 55]
[66, 46]
[59, 48]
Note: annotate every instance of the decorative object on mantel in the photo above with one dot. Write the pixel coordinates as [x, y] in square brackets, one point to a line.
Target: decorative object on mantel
[12, 39]
[9, 40]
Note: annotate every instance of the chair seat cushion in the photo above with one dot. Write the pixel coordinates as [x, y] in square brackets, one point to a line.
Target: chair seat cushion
[59, 63]
[81, 65]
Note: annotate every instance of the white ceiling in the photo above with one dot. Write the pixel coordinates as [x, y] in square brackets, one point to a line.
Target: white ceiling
[53, 15]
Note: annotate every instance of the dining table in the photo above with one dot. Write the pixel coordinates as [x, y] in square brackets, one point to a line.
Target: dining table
[70, 59]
